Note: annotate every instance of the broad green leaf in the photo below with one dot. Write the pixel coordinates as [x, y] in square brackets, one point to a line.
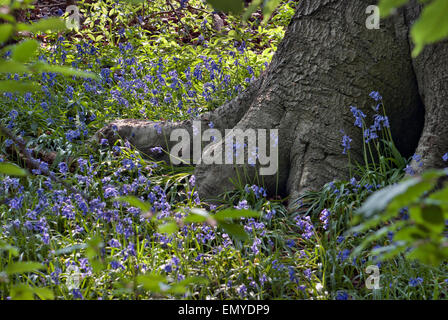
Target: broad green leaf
[18, 86]
[235, 230]
[253, 6]
[93, 251]
[12, 170]
[5, 32]
[432, 25]
[269, 8]
[410, 234]
[235, 214]
[7, 247]
[71, 249]
[135, 202]
[7, 17]
[431, 216]
[197, 215]
[21, 267]
[44, 293]
[194, 218]
[388, 6]
[11, 66]
[25, 50]
[194, 280]
[227, 6]
[378, 201]
[44, 25]
[152, 282]
[429, 253]
[22, 292]
[169, 228]
[66, 71]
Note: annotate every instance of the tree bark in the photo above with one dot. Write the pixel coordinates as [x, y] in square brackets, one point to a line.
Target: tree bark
[431, 70]
[328, 60]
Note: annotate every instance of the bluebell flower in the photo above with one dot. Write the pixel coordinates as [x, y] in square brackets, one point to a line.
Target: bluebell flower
[63, 168]
[341, 295]
[242, 205]
[324, 217]
[413, 282]
[346, 140]
[409, 170]
[375, 95]
[242, 290]
[359, 115]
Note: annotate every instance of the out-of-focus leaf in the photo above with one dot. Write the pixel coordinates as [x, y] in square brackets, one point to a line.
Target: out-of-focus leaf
[253, 6]
[44, 25]
[388, 6]
[25, 50]
[432, 26]
[18, 86]
[7, 247]
[268, 9]
[235, 214]
[12, 170]
[429, 254]
[135, 202]
[66, 71]
[234, 230]
[43, 293]
[71, 249]
[22, 292]
[169, 228]
[11, 66]
[23, 266]
[228, 6]
[5, 32]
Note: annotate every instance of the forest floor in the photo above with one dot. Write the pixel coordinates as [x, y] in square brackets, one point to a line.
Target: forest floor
[153, 67]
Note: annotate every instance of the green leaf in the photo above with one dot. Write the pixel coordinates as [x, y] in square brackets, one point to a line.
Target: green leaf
[21, 267]
[44, 25]
[169, 228]
[22, 292]
[379, 200]
[11, 66]
[197, 215]
[5, 32]
[194, 280]
[70, 249]
[234, 230]
[25, 50]
[12, 170]
[135, 202]
[227, 6]
[66, 71]
[410, 234]
[388, 6]
[93, 251]
[235, 214]
[429, 253]
[152, 282]
[253, 6]
[432, 25]
[44, 293]
[430, 216]
[18, 86]
[7, 17]
[7, 247]
[269, 8]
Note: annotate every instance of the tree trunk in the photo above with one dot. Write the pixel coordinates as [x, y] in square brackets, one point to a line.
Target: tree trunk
[431, 70]
[328, 60]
